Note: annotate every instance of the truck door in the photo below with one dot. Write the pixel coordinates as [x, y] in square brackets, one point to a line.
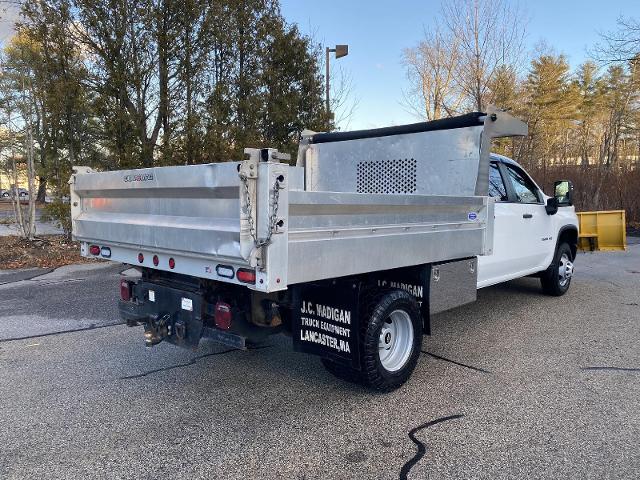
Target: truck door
[492, 267]
[534, 232]
[521, 223]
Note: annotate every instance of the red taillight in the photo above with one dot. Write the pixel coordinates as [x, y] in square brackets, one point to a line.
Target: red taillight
[94, 250]
[140, 258]
[156, 260]
[223, 315]
[246, 276]
[172, 263]
[125, 290]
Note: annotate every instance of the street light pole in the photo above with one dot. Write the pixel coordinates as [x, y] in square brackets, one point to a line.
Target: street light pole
[340, 51]
[327, 81]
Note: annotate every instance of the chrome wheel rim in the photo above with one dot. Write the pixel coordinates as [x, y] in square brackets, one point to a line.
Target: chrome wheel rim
[565, 270]
[396, 341]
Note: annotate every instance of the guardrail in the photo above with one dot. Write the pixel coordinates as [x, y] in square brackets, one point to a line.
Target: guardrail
[604, 230]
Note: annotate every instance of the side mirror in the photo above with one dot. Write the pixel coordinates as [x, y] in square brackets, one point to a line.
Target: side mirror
[552, 206]
[563, 193]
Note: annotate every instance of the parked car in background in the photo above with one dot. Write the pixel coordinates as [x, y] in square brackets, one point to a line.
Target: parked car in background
[50, 198]
[23, 193]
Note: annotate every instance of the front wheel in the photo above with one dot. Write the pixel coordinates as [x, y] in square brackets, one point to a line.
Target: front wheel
[390, 341]
[557, 278]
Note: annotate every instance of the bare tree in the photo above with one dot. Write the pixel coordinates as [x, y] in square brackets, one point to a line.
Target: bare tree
[490, 34]
[17, 102]
[24, 219]
[29, 223]
[622, 45]
[431, 69]
[344, 102]
[476, 46]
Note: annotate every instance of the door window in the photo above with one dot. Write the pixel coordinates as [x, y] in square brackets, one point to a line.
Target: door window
[525, 190]
[497, 189]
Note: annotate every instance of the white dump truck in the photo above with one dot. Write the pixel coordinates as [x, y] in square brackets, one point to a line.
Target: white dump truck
[349, 251]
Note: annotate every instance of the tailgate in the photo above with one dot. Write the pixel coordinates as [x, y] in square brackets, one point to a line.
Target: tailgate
[189, 210]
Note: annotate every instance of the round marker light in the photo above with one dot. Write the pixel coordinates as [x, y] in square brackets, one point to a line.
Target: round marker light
[140, 257]
[172, 263]
[156, 260]
[94, 250]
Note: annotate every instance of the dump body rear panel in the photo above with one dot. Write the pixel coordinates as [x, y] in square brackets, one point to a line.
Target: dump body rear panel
[188, 210]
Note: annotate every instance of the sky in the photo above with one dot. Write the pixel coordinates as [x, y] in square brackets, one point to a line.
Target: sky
[378, 30]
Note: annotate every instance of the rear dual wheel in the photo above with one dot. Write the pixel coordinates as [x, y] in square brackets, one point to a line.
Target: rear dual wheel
[390, 341]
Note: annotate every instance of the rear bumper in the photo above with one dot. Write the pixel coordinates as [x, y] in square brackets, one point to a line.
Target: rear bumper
[194, 266]
[168, 314]
[132, 312]
[174, 315]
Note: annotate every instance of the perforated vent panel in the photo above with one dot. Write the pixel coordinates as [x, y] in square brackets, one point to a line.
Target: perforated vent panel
[387, 176]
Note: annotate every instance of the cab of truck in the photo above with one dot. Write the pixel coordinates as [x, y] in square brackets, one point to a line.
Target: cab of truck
[534, 234]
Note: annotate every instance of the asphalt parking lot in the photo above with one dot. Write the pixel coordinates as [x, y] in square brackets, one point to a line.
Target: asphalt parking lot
[516, 385]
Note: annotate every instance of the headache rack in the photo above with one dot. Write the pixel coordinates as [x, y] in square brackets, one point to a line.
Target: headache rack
[355, 202]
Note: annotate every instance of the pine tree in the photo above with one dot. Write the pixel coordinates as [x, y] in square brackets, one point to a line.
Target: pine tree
[550, 109]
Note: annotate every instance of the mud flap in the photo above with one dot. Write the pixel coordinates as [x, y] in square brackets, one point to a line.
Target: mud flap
[414, 280]
[325, 321]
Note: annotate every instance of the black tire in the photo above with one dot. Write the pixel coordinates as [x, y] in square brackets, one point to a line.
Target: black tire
[342, 372]
[377, 306]
[552, 283]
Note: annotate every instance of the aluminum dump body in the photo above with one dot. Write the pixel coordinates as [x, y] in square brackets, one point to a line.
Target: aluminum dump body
[353, 204]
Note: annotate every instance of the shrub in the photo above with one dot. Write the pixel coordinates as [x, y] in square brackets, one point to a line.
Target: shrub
[59, 213]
